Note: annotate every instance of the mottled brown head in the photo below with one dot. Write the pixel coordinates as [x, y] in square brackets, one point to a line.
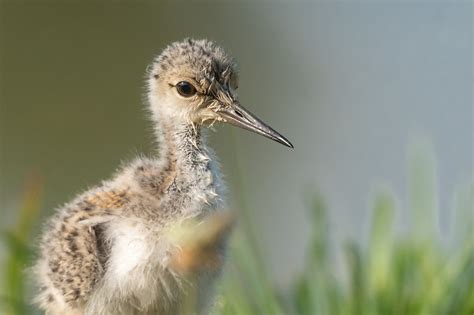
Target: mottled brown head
[195, 81]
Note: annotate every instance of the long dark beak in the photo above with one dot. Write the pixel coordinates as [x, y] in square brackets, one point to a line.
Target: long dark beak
[237, 115]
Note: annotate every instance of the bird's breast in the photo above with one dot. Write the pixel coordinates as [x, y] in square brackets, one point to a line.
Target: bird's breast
[193, 192]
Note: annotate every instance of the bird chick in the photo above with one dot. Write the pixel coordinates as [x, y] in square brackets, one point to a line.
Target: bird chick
[112, 249]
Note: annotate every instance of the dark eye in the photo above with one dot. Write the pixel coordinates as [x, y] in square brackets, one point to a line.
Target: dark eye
[185, 89]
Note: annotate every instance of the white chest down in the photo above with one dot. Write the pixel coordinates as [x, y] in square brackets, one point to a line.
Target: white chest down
[137, 275]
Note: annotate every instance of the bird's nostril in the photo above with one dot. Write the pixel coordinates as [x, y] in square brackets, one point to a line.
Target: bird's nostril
[238, 113]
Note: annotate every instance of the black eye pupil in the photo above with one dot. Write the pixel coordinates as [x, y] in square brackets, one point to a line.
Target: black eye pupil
[185, 89]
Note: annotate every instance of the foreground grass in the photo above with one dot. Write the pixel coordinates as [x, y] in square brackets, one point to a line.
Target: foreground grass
[387, 276]
[415, 274]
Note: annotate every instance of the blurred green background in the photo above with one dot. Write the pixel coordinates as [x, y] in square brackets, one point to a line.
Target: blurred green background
[351, 84]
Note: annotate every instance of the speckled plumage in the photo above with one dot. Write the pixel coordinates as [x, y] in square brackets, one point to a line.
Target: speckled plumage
[108, 250]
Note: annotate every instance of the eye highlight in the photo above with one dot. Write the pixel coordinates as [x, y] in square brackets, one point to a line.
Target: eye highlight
[185, 89]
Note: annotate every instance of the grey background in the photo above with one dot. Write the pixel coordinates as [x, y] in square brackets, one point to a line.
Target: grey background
[350, 83]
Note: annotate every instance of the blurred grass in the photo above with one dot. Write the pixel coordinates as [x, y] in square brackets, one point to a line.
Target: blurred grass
[389, 276]
[16, 240]
[416, 274]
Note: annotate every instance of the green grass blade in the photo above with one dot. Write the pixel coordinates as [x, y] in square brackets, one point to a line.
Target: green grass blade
[423, 191]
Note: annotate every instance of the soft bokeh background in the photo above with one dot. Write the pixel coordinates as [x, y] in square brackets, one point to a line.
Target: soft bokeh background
[351, 84]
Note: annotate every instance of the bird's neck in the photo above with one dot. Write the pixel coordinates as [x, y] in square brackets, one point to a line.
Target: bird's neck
[183, 176]
[182, 146]
[184, 162]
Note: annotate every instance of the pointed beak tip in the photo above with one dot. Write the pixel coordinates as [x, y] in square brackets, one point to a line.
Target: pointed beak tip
[287, 144]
